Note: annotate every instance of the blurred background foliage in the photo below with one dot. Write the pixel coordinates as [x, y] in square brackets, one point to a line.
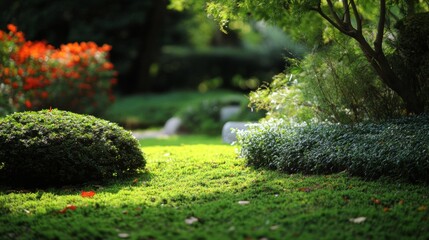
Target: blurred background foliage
[164, 46]
[156, 49]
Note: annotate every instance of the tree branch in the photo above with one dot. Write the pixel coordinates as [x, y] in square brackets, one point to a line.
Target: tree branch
[357, 16]
[334, 14]
[346, 12]
[380, 29]
[331, 21]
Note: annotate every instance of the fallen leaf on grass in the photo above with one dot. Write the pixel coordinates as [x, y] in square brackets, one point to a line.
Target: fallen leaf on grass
[191, 220]
[123, 235]
[346, 198]
[243, 202]
[89, 194]
[135, 181]
[305, 189]
[69, 207]
[275, 227]
[357, 220]
[422, 208]
[376, 201]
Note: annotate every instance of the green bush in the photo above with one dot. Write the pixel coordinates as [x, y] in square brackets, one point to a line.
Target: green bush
[336, 84]
[204, 117]
[396, 148]
[51, 148]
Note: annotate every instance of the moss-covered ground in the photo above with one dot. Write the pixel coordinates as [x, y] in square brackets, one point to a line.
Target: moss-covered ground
[203, 191]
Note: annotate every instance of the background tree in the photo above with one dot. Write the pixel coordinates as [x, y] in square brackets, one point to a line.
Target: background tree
[364, 21]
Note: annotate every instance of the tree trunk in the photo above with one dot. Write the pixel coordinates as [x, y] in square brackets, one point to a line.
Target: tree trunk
[150, 47]
[405, 89]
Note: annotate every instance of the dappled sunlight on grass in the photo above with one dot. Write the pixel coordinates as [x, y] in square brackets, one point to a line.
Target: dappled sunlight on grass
[206, 192]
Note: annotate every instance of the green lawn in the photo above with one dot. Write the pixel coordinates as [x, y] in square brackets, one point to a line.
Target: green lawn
[203, 191]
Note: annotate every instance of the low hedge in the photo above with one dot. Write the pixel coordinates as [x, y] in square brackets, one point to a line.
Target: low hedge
[397, 148]
[52, 148]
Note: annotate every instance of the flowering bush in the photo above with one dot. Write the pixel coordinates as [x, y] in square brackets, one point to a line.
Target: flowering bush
[34, 75]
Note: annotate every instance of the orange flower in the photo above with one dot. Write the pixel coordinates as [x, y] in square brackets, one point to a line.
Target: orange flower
[107, 65]
[6, 71]
[12, 28]
[20, 37]
[106, 47]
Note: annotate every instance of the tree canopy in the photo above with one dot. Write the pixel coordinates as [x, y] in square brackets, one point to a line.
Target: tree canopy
[369, 23]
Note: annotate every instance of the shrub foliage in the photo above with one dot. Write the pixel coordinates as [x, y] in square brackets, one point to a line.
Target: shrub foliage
[34, 75]
[48, 148]
[396, 148]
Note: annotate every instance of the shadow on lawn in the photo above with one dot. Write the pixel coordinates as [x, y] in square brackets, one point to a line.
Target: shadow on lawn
[111, 186]
[272, 206]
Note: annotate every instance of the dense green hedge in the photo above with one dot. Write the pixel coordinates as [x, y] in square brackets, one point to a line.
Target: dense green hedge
[51, 148]
[397, 148]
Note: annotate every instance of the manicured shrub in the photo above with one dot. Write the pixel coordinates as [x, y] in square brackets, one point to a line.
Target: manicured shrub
[397, 148]
[34, 75]
[53, 147]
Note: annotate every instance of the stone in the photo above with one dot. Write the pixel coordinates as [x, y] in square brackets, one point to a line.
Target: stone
[228, 134]
[229, 111]
[172, 126]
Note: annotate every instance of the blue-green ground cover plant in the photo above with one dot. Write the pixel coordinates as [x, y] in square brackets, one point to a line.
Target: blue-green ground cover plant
[396, 148]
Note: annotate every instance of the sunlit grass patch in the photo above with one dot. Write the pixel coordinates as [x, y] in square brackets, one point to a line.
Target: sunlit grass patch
[206, 192]
[179, 140]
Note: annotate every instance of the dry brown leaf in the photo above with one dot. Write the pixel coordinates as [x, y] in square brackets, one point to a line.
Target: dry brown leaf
[422, 208]
[304, 189]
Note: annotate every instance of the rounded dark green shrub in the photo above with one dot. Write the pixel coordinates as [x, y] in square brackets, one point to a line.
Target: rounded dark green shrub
[54, 148]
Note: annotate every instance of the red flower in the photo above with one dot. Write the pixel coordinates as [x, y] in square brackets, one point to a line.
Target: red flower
[44, 94]
[6, 71]
[28, 104]
[89, 194]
